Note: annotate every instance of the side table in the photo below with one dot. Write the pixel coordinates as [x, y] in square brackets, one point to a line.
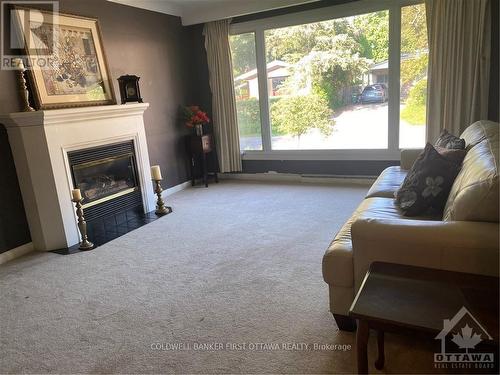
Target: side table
[202, 150]
[416, 300]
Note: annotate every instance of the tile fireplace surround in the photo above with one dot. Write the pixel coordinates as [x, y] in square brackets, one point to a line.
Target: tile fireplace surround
[40, 142]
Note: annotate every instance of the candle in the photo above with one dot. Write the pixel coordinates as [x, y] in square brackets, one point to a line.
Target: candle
[18, 63]
[77, 195]
[156, 172]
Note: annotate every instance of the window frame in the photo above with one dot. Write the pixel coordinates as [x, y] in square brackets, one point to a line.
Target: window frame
[258, 27]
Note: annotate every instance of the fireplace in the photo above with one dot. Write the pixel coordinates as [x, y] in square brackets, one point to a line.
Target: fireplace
[107, 178]
[101, 149]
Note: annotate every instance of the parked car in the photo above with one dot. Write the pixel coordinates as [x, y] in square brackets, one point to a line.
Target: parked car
[376, 93]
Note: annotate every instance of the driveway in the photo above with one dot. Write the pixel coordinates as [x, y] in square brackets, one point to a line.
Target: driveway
[360, 126]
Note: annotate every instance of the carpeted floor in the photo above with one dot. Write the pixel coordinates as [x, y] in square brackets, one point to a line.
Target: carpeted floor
[237, 263]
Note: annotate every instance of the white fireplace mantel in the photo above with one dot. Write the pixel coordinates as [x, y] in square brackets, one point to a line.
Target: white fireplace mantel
[40, 141]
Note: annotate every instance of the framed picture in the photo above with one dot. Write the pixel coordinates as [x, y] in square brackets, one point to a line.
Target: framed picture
[65, 59]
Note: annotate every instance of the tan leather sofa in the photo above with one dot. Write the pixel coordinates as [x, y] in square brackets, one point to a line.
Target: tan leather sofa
[465, 239]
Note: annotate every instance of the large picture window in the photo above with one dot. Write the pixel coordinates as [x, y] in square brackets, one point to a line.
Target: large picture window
[334, 83]
[348, 83]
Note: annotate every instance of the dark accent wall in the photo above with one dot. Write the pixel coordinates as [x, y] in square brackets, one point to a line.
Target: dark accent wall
[155, 47]
[14, 230]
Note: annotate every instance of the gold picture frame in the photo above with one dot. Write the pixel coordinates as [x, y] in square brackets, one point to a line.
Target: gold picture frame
[65, 59]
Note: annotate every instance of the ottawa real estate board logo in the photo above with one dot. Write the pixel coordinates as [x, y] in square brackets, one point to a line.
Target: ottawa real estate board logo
[459, 338]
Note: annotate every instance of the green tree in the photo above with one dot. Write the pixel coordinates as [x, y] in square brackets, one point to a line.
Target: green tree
[373, 35]
[329, 68]
[414, 47]
[297, 114]
[292, 43]
[243, 53]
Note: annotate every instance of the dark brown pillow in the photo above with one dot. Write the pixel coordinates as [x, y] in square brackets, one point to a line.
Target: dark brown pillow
[455, 155]
[428, 183]
[447, 140]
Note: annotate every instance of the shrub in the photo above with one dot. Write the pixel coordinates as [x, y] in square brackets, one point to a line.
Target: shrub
[296, 114]
[248, 116]
[415, 109]
[248, 112]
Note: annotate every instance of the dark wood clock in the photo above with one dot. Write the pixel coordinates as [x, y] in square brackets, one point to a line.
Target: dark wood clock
[129, 88]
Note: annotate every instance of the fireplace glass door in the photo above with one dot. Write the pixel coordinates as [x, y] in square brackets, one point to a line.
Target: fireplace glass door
[105, 179]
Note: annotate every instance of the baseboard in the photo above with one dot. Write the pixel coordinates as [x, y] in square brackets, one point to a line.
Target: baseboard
[16, 252]
[176, 188]
[302, 178]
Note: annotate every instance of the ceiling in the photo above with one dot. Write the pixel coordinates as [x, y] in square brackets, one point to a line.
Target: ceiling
[200, 11]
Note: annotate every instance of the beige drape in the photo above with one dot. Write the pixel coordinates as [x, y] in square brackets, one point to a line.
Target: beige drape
[459, 64]
[223, 100]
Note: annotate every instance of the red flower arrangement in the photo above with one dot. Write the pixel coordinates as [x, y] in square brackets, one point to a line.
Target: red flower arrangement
[195, 116]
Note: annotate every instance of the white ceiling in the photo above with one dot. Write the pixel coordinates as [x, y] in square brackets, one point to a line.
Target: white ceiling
[200, 11]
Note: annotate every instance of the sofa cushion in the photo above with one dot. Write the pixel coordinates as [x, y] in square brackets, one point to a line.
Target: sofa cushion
[338, 268]
[387, 183]
[474, 194]
[408, 157]
[428, 182]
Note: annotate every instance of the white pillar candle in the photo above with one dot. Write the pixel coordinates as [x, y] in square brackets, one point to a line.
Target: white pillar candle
[156, 172]
[18, 63]
[77, 194]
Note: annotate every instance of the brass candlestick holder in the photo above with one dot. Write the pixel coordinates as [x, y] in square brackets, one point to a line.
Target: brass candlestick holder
[82, 226]
[23, 90]
[161, 209]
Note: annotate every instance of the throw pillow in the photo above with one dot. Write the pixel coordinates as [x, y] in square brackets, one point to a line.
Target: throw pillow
[428, 183]
[455, 155]
[447, 140]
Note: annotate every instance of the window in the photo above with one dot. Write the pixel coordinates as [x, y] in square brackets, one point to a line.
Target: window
[325, 83]
[326, 101]
[246, 88]
[413, 92]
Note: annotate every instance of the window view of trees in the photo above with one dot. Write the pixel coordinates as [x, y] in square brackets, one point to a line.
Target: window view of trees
[414, 59]
[328, 81]
[247, 105]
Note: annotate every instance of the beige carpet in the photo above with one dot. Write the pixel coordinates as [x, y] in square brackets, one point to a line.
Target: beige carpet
[237, 263]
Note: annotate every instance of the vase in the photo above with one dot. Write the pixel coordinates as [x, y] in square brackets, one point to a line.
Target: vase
[199, 129]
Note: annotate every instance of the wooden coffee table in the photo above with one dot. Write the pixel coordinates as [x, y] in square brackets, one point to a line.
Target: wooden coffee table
[406, 299]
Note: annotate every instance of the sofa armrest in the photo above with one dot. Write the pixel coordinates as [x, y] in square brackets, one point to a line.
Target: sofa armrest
[462, 246]
[408, 157]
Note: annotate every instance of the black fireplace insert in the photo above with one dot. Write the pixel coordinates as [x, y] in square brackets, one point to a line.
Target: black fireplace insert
[108, 180]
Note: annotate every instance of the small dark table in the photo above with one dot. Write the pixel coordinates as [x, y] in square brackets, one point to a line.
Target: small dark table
[201, 149]
[416, 300]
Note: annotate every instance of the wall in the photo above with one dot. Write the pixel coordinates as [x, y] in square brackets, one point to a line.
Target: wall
[151, 45]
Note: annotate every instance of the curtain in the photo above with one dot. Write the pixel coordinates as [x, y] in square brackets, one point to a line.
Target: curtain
[223, 99]
[459, 64]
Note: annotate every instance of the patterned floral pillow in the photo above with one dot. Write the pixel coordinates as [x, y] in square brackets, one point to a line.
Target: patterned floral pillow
[428, 183]
[447, 140]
